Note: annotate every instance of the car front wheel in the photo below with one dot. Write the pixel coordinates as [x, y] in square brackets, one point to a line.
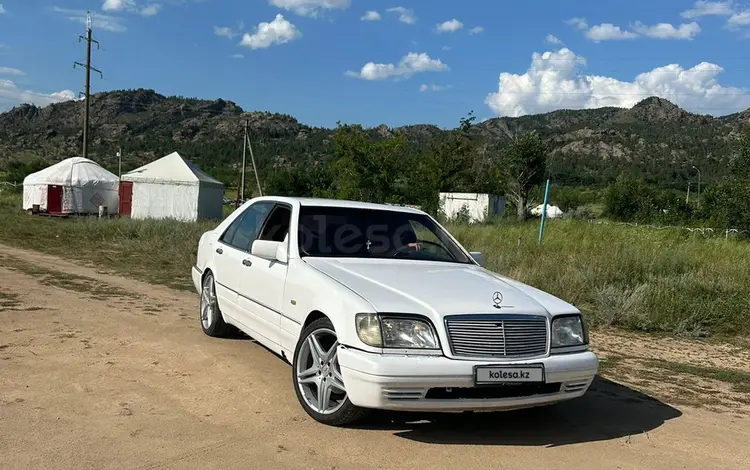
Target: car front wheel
[317, 379]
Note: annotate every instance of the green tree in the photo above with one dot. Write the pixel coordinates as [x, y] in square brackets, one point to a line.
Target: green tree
[727, 204]
[520, 167]
[366, 168]
[447, 166]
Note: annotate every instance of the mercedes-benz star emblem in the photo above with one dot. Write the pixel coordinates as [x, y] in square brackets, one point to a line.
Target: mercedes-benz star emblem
[497, 299]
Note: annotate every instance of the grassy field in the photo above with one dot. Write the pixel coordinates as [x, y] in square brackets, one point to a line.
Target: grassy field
[641, 279]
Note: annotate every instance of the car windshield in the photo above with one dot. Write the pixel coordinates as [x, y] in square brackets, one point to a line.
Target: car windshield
[345, 232]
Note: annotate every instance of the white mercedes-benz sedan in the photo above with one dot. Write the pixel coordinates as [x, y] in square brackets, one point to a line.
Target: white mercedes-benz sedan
[379, 307]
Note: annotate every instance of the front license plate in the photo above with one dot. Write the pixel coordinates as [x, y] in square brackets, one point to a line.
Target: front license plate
[527, 373]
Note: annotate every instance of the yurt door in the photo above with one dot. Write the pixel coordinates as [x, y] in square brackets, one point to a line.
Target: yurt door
[54, 198]
[126, 198]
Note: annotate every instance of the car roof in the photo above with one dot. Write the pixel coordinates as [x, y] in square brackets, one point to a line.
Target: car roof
[323, 202]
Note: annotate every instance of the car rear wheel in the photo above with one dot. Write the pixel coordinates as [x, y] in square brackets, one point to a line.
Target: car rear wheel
[316, 375]
[212, 322]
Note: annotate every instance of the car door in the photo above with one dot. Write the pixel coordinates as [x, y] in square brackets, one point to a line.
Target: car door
[261, 287]
[232, 252]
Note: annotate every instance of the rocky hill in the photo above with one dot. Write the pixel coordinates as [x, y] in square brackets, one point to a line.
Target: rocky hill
[655, 137]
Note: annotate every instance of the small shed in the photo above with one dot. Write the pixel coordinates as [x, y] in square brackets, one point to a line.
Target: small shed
[170, 188]
[479, 207]
[73, 186]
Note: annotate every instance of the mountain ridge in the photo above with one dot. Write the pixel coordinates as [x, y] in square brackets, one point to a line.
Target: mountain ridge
[655, 137]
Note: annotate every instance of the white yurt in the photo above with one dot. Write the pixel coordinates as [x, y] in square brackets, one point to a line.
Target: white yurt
[171, 188]
[73, 186]
[553, 212]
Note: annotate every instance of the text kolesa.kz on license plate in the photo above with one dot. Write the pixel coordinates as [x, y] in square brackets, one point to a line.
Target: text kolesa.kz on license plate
[491, 374]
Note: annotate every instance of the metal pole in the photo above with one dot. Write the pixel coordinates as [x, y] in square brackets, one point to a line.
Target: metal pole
[544, 212]
[87, 84]
[687, 198]
[119, 162]
[87, 91]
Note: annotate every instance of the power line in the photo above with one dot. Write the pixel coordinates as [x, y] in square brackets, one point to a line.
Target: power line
[87, 91]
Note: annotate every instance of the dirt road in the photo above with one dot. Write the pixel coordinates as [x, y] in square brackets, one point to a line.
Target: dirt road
[99, 371]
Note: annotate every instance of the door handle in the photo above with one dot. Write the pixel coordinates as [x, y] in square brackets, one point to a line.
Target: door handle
[247, 262]
[220, 250]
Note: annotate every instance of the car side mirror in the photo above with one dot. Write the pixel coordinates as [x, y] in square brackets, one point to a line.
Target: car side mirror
[270, 250]
[478, 257]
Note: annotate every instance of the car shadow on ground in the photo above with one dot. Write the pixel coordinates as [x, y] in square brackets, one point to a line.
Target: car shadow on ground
[607, 411]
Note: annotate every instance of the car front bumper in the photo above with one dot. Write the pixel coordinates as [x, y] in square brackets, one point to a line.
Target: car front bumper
[438, 383]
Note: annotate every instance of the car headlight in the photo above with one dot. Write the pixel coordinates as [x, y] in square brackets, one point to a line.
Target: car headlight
[568, 331]
[395, 332]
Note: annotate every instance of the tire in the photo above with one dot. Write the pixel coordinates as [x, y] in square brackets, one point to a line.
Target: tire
[308, 377]
[209, 314]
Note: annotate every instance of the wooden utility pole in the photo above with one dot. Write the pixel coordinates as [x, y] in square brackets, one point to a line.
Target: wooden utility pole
[252, 157]
[244, 164]
[87, 90]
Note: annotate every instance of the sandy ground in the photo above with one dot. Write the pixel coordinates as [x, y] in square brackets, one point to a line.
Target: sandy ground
[99, 371]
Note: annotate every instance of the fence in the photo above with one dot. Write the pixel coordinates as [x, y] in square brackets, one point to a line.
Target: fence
[706, 231]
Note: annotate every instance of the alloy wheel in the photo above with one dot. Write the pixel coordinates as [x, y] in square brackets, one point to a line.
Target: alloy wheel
[208, 302]
[318, 372]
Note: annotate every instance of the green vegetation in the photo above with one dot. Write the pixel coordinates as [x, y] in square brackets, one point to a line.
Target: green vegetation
[636, 278]
[627, 165]
[668, 281]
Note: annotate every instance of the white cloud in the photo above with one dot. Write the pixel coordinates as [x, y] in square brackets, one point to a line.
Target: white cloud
[740, 19]
[433, 88]
[11, 95]
[552, 39]
[118, 5]
[311, 8]
[667, 31]
[278, 31]
[237, 56]
[406, 15]
[130, 6]
[447, 48]
[702, 8]
[2, 10]
[371, 16]
[11, 71]
[150, 10]
[409, 65]
[450, 26]
[476, 30]
[99, 20]
[578, 23]
[225, 31]
[553, 82]
[608, 32]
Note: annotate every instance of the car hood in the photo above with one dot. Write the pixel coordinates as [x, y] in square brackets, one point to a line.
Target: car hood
[437, 288]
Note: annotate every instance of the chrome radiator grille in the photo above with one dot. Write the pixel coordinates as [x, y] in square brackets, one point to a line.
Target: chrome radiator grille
[510, 336]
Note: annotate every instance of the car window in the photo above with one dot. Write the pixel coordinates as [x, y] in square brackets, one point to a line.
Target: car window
[428, 241]
[277, 224]
[373, 233]
[243, 229]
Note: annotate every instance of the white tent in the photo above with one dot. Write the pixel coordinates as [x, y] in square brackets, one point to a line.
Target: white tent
[171, 188]
[73, 186]
[552, 211]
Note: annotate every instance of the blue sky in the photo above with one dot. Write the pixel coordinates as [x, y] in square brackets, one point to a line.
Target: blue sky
[414, 61]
